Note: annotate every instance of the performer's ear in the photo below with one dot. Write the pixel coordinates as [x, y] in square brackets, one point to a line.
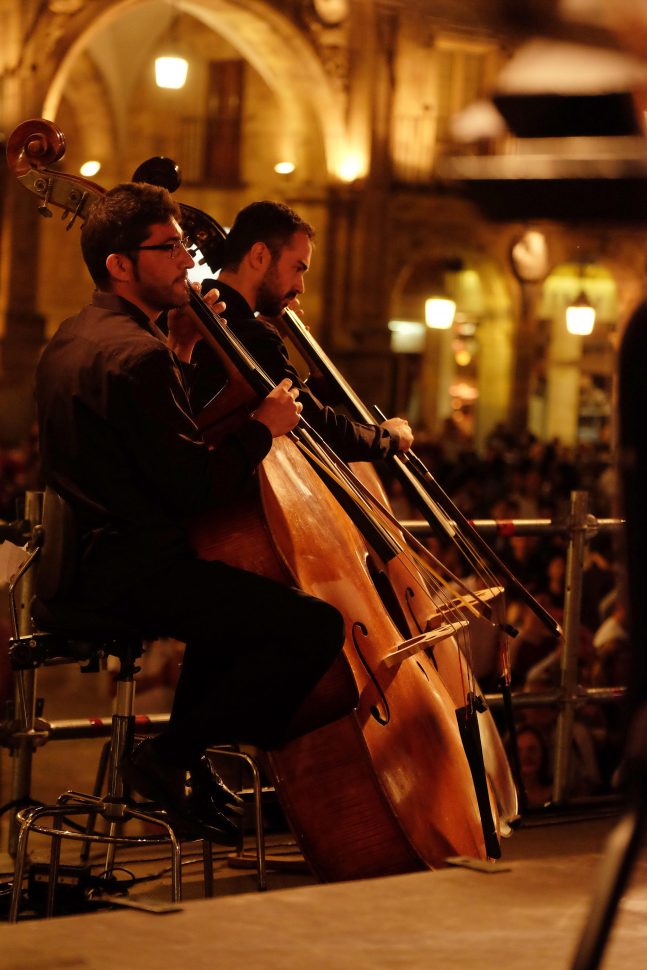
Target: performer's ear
[259, 256]
[119, 267]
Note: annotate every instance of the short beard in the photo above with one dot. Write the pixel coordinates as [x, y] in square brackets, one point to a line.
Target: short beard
[154, 297]
[268, 302]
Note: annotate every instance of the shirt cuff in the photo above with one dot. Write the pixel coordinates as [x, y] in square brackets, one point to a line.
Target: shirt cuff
[256, 440]
[389, 442]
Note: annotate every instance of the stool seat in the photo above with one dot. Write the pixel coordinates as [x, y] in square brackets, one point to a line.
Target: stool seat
[65, 618]
[65, 632]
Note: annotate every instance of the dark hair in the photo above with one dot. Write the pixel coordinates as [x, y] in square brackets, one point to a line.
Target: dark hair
[120, 221]
[269, 222]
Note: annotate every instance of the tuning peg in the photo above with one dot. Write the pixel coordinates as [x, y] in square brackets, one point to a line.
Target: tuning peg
[44, 187]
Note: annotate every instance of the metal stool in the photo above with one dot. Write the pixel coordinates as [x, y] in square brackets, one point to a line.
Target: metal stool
[74, 635]
[248, 762]
[114, 807]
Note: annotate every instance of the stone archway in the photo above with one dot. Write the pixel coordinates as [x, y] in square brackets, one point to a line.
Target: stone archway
[268, 40]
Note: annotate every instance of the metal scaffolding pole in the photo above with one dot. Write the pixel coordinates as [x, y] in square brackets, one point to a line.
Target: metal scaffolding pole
[25, 682]
[571, 645]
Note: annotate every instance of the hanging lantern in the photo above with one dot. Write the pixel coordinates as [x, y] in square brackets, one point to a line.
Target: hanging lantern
[439, 312]
[171, 72]
[580, 316]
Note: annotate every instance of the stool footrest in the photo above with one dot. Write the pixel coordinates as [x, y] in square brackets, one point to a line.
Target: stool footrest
[37, 649]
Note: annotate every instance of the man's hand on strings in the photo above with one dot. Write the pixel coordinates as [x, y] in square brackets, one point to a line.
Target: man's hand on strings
[280, 410]
[402, 428]
[212, 299]
[183, 330]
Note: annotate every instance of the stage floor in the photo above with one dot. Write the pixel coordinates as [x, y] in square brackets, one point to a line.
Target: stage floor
[525, 915]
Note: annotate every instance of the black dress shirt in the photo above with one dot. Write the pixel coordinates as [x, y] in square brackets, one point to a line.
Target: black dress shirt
[351, 440]
[118, 440]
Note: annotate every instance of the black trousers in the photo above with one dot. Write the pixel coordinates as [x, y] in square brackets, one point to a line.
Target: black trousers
[254, 650]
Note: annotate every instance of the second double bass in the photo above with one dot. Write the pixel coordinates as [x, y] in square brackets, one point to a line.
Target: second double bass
[387, 788]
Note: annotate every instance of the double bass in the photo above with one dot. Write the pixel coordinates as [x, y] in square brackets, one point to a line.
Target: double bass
[387, 787]
[401, 585]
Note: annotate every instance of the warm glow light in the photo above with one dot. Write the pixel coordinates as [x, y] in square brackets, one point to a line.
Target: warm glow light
[284, 168]
[351, 167]
[90, 168]
[580, 316]
[463, 357]
[439, 313]
[580, 320]
[407, 336]
[171, 72]
[463, 391]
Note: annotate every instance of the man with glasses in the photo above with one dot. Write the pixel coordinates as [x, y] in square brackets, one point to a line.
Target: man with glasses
[119, 443]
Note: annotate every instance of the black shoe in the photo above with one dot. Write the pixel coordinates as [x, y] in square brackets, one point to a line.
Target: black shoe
[146, 772]
[210, 799]
[209, 792]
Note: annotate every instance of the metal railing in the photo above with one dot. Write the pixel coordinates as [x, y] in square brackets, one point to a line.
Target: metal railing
[579, 527]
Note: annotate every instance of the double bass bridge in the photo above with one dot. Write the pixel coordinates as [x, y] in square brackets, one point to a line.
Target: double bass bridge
[409, 648]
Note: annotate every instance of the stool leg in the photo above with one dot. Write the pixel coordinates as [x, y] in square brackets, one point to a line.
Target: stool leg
[114, 829]
[123, 725]
[19, 868]
[102, 768]
[176, 852]
[54, 859]
[258, 826]
[259, 833]
[207, 864]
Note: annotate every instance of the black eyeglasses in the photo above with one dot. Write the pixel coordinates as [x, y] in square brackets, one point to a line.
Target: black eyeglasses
[172, 248]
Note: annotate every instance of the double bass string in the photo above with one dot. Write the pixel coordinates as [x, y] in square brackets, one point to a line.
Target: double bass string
[404, 464]
[414, 554]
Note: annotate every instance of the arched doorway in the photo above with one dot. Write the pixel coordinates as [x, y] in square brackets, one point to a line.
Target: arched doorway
[572, 381]
[459, 373]
[256, 95]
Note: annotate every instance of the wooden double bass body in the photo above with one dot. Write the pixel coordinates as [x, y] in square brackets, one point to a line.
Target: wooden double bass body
[387, 787]
[384, 789]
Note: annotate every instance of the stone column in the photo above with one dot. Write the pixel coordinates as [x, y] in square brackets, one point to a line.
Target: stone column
[563, 383]
[359, 212]
[28, 62]
[524, 355]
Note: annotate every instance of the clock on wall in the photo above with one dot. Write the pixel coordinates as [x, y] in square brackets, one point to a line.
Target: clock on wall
[331, 11]
[529, 257]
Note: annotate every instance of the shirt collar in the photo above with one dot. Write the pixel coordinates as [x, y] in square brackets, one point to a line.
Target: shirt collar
[234, 300]
[110, 301]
